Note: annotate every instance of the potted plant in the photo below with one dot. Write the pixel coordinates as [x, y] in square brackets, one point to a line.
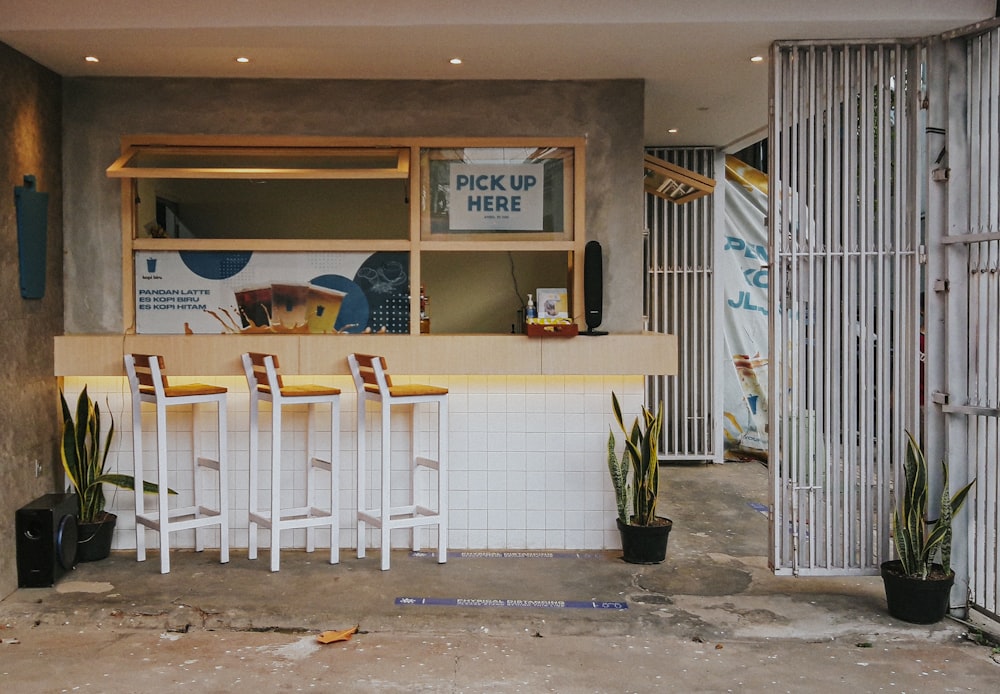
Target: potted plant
[917, 587]
[84, 458]
[644, 534]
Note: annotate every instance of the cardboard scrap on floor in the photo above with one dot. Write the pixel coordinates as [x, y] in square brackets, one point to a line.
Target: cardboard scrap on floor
[333, 636]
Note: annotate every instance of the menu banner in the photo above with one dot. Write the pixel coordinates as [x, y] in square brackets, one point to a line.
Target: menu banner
[194, 292]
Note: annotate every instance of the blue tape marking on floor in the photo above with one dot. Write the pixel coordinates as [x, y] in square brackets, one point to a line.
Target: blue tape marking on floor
[487, 554]
[508, 602]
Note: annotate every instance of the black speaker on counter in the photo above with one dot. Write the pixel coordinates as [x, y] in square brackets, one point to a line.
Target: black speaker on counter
[593, 288]
[46, 540]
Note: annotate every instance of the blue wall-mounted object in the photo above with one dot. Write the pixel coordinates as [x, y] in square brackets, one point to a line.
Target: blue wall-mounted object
[32, 229]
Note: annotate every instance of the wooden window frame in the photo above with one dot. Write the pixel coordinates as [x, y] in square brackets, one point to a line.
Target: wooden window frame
[407, 167]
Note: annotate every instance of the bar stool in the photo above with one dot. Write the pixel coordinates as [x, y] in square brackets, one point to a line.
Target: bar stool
[266, 384]
[147, 378]
[374, 384]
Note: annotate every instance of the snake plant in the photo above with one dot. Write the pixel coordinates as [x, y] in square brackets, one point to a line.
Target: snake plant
[918, 539]
[85, 457]
[639, 456]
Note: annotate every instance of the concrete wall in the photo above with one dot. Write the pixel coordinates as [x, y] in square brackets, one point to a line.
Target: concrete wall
[99, 111]
[30, 143]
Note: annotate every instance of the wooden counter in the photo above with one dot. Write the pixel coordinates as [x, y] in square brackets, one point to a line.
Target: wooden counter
[219, 355]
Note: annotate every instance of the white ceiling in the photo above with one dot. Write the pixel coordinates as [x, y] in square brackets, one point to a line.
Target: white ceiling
[693, 55]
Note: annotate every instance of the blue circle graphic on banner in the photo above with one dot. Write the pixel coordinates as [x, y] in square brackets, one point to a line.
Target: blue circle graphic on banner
[385, 279]
[354, 311]
[215, 265]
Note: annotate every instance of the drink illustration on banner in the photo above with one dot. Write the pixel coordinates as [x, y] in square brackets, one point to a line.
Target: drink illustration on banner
[322, 308]
[254, 305]
[288, 305]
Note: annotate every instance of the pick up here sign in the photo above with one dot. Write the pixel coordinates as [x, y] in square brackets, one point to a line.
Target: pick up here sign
[496, 197]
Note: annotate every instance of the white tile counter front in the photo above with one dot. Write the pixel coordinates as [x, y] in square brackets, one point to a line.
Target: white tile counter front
[528, 451]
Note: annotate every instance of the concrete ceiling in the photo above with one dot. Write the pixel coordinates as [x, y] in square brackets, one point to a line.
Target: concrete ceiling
[693, 56]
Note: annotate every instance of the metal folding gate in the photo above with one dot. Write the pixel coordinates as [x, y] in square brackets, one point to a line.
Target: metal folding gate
[844, 305]
[963, 309]
[679, 298]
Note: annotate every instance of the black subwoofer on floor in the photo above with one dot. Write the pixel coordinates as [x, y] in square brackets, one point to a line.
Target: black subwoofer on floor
[46, 540]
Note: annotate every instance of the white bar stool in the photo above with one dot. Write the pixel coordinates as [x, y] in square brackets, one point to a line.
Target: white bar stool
[148, 381]
[265, 383]
[374, 384]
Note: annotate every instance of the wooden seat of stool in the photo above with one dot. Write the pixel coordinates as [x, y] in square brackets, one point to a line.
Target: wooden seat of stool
[303, 391]
[185, 390]
[409, 390]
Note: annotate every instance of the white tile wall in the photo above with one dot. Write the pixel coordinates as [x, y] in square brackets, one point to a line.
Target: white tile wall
[527, 458]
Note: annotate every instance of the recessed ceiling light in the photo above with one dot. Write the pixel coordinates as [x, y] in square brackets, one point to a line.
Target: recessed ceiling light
[757, 59]
[672, 130]
[455, 61]
[242, 59]
[92, 59]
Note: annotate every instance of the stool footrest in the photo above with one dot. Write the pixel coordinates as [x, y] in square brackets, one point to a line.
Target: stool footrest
[298, 518]
[208, 463]
[429, 463]
[321, 464]
[401, 517]
[197, 517]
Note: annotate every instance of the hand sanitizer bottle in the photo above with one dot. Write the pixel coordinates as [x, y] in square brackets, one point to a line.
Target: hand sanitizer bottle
[530, 312]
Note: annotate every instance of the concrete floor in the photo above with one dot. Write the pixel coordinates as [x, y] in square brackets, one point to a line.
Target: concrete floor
[711, 618]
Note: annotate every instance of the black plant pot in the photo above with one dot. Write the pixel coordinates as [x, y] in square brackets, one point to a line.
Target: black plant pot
[644, 544]
[94, 539]
[914, 600]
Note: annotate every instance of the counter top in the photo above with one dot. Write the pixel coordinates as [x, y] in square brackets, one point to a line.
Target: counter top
[219, 355]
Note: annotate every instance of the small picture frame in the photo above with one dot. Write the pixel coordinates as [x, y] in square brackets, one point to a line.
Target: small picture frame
[552, 303]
